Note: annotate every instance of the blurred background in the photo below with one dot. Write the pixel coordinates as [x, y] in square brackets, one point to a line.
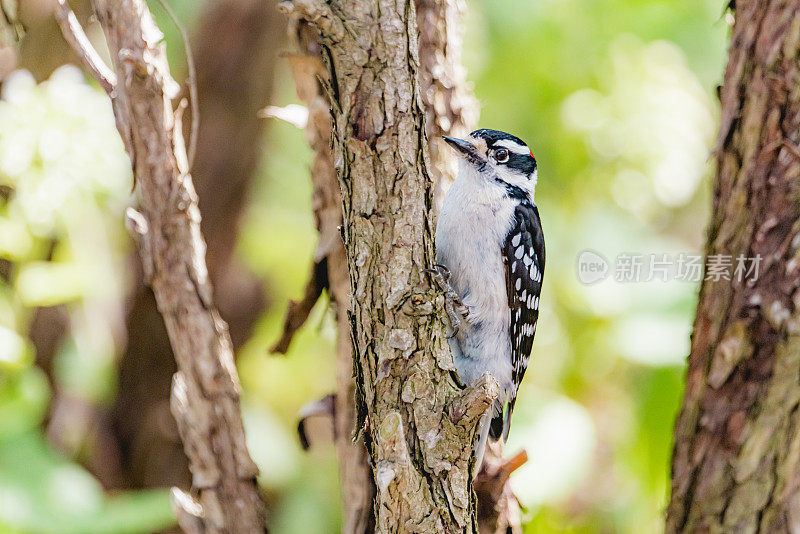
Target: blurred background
[617, 99]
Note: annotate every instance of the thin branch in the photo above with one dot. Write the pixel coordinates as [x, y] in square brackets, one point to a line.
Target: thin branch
[192, 81]
[298, 312]
[76, 37]
[515, 462]
[205, 390]
[324, 408]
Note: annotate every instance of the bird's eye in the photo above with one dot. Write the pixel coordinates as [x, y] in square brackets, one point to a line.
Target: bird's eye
[501, 155]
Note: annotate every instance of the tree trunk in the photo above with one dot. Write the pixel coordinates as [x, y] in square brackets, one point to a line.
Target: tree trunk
[235, 53]
[736, 464]
[418, 426]
[330, 264]
[450, 110]
[205, 392]
[450, 107]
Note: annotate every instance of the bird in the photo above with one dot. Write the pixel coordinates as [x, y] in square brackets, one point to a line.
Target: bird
[490, 255]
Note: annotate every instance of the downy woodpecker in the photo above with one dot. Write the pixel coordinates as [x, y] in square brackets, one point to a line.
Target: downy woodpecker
[490, 249]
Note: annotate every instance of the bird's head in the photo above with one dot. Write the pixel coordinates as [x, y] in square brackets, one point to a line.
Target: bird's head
[496, 155]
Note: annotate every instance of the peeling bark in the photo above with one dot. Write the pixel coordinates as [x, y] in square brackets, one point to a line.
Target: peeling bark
[736, 463]
[205, 391]
[418, 429]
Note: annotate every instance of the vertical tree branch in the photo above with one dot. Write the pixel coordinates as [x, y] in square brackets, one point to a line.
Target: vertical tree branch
[736, 462]
[418, 432]
[450, 110]
[450, 107]
[205, 398]
[309, 72]
[73, 33]
[234, 43]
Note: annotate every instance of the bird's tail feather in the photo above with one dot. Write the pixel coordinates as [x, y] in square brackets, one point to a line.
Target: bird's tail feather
[501, 423]
[495, 425]
[480, 446]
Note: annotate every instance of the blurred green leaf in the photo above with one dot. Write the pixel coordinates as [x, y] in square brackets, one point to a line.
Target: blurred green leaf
[15, 351]
[42, 493]
[16, 241]
[24, 397]
[47, 283]
[86, 372]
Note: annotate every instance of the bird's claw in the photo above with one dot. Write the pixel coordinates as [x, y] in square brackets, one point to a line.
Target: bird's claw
[455, 309]
[454, 327]
[439, 271]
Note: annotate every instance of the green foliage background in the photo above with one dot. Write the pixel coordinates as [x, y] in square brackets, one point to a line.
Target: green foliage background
[617, 97]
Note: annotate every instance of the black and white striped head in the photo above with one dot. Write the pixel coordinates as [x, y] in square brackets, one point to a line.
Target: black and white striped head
[498, 156]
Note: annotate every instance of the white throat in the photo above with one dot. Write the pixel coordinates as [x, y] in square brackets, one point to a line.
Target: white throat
[486, 180]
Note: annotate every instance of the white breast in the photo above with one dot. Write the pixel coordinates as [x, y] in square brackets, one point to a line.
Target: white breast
[475, 218]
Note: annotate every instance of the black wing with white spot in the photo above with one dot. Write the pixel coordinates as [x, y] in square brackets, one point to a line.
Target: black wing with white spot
[523, 255]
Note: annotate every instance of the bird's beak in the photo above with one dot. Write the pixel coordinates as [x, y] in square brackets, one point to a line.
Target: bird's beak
[464, 148]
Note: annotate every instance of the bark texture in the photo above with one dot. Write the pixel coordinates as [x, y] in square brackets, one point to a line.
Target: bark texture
[450, 110]
[450, 107]
[330, 272]
[235, 54]
[205, 392]
[736, 464]
[418, 425]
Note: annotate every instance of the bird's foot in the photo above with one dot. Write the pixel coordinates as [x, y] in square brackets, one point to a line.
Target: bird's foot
[455, 309]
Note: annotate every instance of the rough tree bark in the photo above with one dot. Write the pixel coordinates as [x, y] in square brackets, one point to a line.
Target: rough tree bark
[450, 110]
[235, 54]
[205, 396]
[736, 463]
[419, 426]
[329, 272]
[450, 107]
